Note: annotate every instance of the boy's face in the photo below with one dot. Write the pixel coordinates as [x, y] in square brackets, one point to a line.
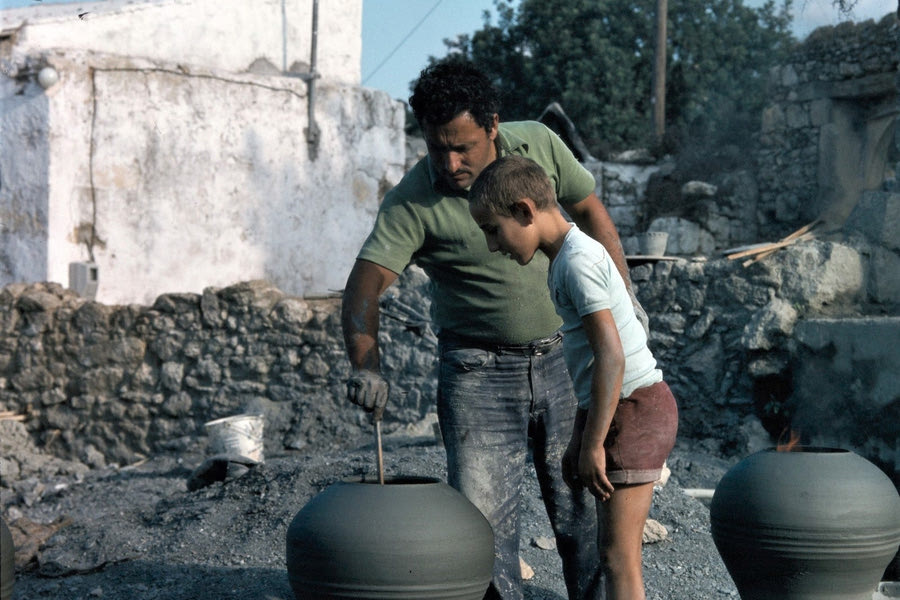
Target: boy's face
[460, 149]
[513, 236]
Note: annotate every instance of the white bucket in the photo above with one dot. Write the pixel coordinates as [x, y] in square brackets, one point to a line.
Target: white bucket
[240, 434]
[653, 243]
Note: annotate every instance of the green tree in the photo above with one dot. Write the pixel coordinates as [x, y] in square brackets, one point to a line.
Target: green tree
[595, 57]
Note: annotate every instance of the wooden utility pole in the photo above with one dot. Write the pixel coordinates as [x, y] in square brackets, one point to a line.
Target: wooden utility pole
[659, 71]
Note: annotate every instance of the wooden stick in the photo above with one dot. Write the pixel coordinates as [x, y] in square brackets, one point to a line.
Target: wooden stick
[8, 415]
[770, 248]
[796, 236]
[379, 455]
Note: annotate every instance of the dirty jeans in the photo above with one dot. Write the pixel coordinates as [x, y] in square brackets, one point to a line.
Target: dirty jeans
[489, 403]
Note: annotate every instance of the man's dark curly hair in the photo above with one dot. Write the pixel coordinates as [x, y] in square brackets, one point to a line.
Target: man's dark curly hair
[448, 88]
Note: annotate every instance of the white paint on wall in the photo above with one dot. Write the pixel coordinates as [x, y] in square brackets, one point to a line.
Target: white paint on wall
[228, 35]
[191, 176]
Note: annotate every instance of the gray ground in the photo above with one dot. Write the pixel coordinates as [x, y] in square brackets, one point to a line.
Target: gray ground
[137, 533]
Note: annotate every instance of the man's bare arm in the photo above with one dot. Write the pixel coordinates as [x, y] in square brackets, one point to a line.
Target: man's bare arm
[592, 218]
[360, 312]
[359, 319]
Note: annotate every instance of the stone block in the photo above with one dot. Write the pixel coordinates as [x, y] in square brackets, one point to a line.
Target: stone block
[820, 111]
[816, 274]
[769, 326]
[685, 237]
[625, 217]
[860, 357]
[699, 189]
[788, 76]
[877, 218]
[797, 116]
[773, 119]
[884, 277]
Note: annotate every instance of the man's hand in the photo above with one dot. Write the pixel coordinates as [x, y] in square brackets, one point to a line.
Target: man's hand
[369, 390]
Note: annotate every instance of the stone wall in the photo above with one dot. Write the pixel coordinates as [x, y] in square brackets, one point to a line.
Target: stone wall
[830, 130]
[99, 383]
[102, 383]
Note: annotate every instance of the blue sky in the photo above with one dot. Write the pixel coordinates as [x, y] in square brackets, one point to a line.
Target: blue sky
[400, 35]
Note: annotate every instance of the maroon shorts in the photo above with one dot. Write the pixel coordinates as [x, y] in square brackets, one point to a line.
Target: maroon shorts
[641, 435]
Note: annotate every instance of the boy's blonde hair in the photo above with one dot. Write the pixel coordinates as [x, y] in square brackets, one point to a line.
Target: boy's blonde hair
[509, 179]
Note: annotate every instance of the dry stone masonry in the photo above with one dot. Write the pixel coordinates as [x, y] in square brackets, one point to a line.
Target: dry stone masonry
[830, 130]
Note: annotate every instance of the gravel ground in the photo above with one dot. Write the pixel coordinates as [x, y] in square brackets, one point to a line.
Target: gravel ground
[137, 533]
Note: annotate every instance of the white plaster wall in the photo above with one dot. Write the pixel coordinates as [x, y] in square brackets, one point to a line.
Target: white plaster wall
[24, 188]
[200, 177]
[227, 35]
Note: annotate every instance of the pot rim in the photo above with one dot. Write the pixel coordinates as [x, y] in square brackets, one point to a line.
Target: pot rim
[392, 480]
[802, 449]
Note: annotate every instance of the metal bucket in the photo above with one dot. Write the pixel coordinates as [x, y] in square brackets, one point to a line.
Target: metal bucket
[238, 435]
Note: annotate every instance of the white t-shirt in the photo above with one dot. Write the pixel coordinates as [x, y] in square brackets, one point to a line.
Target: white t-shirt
[583, 279]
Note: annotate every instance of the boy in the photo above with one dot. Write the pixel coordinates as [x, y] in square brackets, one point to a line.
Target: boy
[627, 417]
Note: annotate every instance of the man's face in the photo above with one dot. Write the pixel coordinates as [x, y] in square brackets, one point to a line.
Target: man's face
[460, 149]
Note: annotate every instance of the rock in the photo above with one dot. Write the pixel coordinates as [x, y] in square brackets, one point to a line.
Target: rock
[29, 537]
[663, 476]
[544, 543]
[698, 189]
[527, 571]
[769, 326]
[685, 237]
[816, 274]
[654, 532]
[221, 467]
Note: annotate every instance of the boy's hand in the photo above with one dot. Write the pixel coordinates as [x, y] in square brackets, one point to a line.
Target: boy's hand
[369, 390]
[592, 470]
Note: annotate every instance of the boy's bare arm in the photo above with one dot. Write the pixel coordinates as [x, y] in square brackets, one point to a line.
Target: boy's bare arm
[606, 386]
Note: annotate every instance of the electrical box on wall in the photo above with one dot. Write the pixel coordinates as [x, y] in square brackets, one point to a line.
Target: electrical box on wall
[84, 277]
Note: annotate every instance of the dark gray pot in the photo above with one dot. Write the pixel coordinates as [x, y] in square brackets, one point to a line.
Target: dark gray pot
[810, 524]
[414, 538]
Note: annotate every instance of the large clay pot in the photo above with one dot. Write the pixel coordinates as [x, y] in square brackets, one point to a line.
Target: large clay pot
[808, 524]
[413, 538]
[7, 562]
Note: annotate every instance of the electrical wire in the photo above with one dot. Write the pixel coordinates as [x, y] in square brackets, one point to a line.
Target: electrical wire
[403, 41]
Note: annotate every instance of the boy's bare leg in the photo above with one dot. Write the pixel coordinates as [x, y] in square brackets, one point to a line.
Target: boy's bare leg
[622, 521]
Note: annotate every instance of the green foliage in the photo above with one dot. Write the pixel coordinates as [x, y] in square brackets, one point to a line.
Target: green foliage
[595, 57]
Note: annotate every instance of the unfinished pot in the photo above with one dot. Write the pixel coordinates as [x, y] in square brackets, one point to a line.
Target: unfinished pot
[806, 524]
[414, 538]
[7, 562]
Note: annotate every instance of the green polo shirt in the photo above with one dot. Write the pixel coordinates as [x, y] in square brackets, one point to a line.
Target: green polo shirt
[476, 293]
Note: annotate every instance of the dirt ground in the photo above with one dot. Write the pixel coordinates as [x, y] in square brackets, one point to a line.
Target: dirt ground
[138, 533]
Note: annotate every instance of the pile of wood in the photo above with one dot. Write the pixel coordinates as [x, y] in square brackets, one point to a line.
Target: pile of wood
[757, 252]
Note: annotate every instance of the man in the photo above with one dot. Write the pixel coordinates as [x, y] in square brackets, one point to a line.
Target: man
[502, 372]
